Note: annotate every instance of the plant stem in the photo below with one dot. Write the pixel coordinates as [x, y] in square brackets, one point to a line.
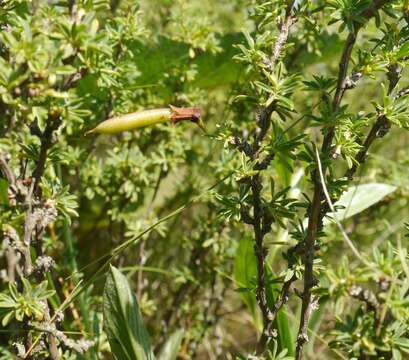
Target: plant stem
[260, 222]
[317, 209]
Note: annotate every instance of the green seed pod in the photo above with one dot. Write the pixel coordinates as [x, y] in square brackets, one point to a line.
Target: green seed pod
[145, 118]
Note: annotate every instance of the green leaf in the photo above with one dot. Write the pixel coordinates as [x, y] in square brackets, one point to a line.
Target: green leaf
[7, 318]
[361, 197]
[123, 323]
[402, 342]
[171, 348]
[245, 270]
[403, 51]
[65, 70]
[396, 354]
[4, 197]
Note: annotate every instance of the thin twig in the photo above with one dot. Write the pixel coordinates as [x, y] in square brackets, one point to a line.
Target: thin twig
[46, 143]
[6, 170]
[281, 300]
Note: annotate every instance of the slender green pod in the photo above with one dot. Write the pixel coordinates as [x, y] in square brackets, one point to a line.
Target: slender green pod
[146, 118]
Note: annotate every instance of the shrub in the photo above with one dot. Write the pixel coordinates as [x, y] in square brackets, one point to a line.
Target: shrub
[277, 234]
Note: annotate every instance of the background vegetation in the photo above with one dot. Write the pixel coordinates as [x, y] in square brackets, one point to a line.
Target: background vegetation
[279, 234]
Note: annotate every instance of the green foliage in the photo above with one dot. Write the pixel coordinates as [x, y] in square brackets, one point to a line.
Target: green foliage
[123, 323]
[367, 318]
[26, 304]
[394, 109]
[224, 236]
[348, 12]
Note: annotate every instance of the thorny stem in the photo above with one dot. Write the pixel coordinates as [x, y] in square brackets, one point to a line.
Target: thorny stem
[256, 186]
[318, 208]
[46, 139]
[31, 220]
[31, 217]
[260, 221]
[283, 34]
[30, 228]
[259, 250]
[343, 69]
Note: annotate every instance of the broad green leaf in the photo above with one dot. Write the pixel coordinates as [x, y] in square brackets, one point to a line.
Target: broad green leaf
[245, 272]
[357, 199]
[402, 342]
[361, 197]
[4, 186]
[282, 166]
[123, 323]
[396, 354]
[285, 338]
[171, 348]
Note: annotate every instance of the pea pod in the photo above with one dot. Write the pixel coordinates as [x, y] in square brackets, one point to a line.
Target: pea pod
[146, 118]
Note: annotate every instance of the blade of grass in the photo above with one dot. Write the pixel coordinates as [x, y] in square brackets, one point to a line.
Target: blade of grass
[133, 269]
